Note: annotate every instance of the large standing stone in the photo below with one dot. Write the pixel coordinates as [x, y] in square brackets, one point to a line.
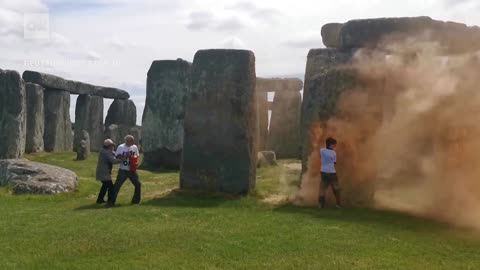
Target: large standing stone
[32, 177]
[262, 119]
[219, 151]
[113, 133]
[12, 114]
[35, 118]
[89, 117]
[168, 86]
[83, 146]
[325, 80]
[284, 137]
[122, 113]
[58, 135]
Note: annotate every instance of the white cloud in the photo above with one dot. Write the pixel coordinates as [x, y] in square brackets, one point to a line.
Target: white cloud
[201, 20]
[305, 40]
[233, 43]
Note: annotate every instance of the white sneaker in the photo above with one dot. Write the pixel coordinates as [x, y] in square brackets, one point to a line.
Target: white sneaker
[338, 206]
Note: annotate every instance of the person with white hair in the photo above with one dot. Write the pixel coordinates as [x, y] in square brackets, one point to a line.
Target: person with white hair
[106, 159]
[126, 152]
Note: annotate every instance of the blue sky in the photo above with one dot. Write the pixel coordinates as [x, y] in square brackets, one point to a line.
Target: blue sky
[113, 42]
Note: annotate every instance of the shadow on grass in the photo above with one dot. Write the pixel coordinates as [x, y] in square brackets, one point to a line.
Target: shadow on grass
[179, 198]
[366, 216]
[92, 206]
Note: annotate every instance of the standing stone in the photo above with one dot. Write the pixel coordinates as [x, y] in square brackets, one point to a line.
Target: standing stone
[122, 113]
[35, 118]
[89, 117]
[331, 34]
[219, 151]
[12, 115]
[136, 132]
[83, 146]
[262, 118]
[167, 91]
[284, 137]
[58, 135]
[266, 159]
[325, 80]
[112, 132]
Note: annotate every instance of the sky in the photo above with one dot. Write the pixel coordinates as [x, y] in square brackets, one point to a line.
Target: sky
[113, 42]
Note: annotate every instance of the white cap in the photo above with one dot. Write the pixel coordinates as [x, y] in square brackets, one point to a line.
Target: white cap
[108, 142]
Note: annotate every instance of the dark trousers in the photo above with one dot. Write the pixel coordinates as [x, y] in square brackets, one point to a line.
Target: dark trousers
[121, 178]
[107, 186]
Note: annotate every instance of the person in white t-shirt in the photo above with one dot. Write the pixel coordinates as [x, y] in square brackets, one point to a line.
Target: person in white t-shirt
[329, 178]
[124, 152]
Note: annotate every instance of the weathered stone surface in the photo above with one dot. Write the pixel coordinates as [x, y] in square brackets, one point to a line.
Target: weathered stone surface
[266, 159]
[219, 151]
[110, 92]
[117, 133]
[113, 133]
[12, 114]
[121, 113]
[279, 84]
[58, 135]
[83, 146]
[331, 35]
[89, 117]
[325, 80]
[455, 37]
[262, 119]
[26, 177]
[284, 135]
[81, 88]
[73, 87]
[45, 80]
[136, 132]
[168, 86]
[35, 118]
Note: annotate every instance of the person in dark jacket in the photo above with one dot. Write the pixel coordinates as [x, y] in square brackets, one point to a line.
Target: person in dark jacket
[106, 159]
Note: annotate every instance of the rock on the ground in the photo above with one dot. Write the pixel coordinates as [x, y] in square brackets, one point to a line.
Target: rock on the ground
[266, 159]
[284, 135]
[331, 35]
[89, 117]
[220, 152]
[168, 86]
[35, 118]
[121, 112]
[27, 177]
[83, 146]
[58, 135]
[13, 114]
[325, 80]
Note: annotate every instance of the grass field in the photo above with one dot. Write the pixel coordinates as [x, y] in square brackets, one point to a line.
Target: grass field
[172, 230]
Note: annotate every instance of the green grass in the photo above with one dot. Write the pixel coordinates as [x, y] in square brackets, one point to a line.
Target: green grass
[173, 230]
